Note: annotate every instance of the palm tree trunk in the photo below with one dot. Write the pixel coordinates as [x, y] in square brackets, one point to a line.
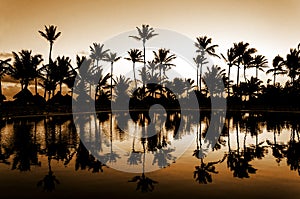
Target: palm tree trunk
[134, 75]
[35, 85]
[238, 76]
[50, 52]
[144, 48]
[274, 81]
[197, 76]
[245, 74]
[228, 95]
[256, 73]
[200, 79]
[111, 72]
[1, 91]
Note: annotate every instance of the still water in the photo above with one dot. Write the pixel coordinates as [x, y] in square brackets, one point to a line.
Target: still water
[257, 155]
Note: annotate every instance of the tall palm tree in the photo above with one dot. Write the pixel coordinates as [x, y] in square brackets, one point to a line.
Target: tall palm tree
[24, 67]
[277, 69]
[50, 35]
[240, 49]
[260, 62]
[111, 57]
[145, 33]
[230, 59]
[248, 60]
[203, 45]
[135, 55]
[4, 64]
[163, 59]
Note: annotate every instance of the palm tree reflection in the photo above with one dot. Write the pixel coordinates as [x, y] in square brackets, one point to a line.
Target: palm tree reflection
[49, 181]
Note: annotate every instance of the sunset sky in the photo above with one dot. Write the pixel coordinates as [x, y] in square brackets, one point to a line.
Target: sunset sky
[271, 26]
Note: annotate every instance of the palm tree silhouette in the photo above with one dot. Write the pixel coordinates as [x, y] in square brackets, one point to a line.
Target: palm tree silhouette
[230, 59]
[135, 55]
[48, 182]
[240, 50]
[145, 33]
[202, 173]
[111, 57]
[144, 183]
[98, 53]
[24, 67]
[4, 66]
[259, 62]
[277, 69]
[63, 70]
[292, 64]
[50, 35]
[203, 46]
[163, 59]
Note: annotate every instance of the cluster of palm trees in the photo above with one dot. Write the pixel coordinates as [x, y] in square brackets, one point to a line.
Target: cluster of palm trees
[27, 67]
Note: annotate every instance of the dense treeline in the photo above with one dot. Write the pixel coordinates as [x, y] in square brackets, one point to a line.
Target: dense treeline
[241, 92]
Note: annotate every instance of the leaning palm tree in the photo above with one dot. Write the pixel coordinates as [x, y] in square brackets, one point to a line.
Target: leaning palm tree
[111, 57]
[4, 64]
[230, 59]
[135, 55]
[50, 35]
[163, 59]
[145, 33]
[277, 69]
[260, 62]
[24, 67]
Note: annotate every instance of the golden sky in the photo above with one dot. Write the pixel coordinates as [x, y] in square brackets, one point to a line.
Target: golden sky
[271, 26]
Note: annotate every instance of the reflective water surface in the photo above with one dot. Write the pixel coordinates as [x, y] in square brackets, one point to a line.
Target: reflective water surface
[257, 155]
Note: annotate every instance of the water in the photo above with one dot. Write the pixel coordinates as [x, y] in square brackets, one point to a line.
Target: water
[257, 155]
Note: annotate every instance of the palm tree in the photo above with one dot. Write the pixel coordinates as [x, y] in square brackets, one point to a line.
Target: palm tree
[50, 35]
[24, 67]
[97, 53]
[240, 49]
[199, 61]
[111, 57]
[277, 69]
[230, 59]
[292, 64]
[145, 33]
[163, 60]
[203, 46]
[63, 70]
[248, 60]
[135, 55]
[4, 64]
[259, 62]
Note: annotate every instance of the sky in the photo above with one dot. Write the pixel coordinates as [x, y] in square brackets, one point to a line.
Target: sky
[270, 26]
